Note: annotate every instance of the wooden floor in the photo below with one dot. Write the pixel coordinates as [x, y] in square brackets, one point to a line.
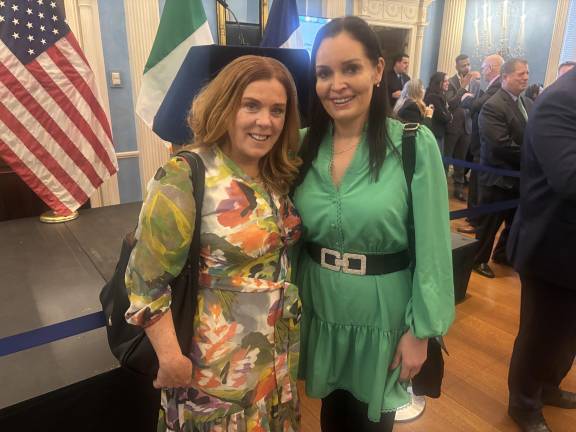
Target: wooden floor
[475, 393]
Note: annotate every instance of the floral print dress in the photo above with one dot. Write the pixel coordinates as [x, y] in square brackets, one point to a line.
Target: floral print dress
[246, 329]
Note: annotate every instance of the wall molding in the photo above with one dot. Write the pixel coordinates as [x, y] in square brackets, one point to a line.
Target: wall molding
[407, 14]
[333, 8]
[392, 11]
[73, 19]
[142, 19]
[84, 20]
[452, 34]
[562, 10]
[421, 24]
[127, 154]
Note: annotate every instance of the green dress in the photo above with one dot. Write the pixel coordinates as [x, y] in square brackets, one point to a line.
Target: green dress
[351, 324]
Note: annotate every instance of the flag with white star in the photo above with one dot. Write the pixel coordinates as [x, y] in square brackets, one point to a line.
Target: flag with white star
[54, 132]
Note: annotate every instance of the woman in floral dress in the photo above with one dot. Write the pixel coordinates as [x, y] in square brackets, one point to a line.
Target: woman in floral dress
[240, 373]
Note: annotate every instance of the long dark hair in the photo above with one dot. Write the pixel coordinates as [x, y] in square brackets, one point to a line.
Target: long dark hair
[377, 133]
[435, 84]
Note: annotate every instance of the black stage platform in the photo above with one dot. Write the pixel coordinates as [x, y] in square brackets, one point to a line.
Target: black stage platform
[49, 274]
[53, 273]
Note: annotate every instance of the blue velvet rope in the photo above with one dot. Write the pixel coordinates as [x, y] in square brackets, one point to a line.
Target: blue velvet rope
[487, 208]
[51, 333]
[480, 167]
[484, 209]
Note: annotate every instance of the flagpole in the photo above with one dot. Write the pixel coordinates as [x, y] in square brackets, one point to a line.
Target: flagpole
[264, 12]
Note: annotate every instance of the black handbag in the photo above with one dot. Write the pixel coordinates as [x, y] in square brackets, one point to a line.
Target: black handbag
[428, 382]
[128, 342]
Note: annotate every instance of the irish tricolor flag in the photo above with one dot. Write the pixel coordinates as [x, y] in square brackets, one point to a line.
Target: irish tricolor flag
[183, 25]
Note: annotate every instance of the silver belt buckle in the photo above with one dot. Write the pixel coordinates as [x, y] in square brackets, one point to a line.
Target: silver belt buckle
[346, 265]
[342, 262]
[337, 261]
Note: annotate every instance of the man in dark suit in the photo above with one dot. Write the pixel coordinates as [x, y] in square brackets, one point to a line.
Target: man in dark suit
[501, 125]
[490, 71]
[542, 247]
[397, 77]
[462, 86]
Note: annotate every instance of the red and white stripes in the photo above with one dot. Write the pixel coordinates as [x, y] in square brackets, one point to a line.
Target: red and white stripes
[54, 132]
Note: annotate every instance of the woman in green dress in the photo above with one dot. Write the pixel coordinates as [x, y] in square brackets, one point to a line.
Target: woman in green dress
[367, 316]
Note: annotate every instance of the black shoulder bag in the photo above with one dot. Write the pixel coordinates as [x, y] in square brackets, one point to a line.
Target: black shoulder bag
[428, 382]
[128, 342]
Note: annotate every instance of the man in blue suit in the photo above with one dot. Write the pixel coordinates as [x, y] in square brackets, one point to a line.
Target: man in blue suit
[542, 248]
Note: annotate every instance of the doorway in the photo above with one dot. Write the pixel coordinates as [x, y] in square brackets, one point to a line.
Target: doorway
[393, 40]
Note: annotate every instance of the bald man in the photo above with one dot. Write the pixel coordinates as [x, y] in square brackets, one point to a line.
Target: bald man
[490, 71]
[565, 67]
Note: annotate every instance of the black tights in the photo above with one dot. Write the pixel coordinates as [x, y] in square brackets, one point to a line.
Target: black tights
[342, 412]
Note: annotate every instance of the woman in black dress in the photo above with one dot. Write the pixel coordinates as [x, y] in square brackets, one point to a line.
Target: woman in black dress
[436, 96]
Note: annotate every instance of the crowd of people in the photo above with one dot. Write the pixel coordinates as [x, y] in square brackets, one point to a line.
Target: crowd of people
[320, 260]
[491, 127]
[468, 128]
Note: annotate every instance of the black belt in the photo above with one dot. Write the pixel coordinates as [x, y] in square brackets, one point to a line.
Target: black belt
[358, 264]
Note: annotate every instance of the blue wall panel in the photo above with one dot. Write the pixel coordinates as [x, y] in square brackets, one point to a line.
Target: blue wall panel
[431, 44]
[253, 12]
[209, 10]
[349, 7]
[115, 48]
[314, 7]
[245, 10]
[129, 180]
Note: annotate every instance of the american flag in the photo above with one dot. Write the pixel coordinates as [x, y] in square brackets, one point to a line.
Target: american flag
[54, 132]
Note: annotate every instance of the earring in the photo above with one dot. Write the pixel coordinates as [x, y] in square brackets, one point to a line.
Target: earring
[378, 84]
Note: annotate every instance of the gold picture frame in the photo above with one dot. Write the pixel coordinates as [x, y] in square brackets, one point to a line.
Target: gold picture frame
[221, 19]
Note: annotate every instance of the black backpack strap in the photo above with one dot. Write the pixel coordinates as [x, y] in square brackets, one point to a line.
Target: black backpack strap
[129, 343]
[409, 165]
[198, 179]
[185, 286]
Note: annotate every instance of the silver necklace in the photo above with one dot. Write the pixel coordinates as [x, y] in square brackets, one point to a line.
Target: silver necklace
[334, 153]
